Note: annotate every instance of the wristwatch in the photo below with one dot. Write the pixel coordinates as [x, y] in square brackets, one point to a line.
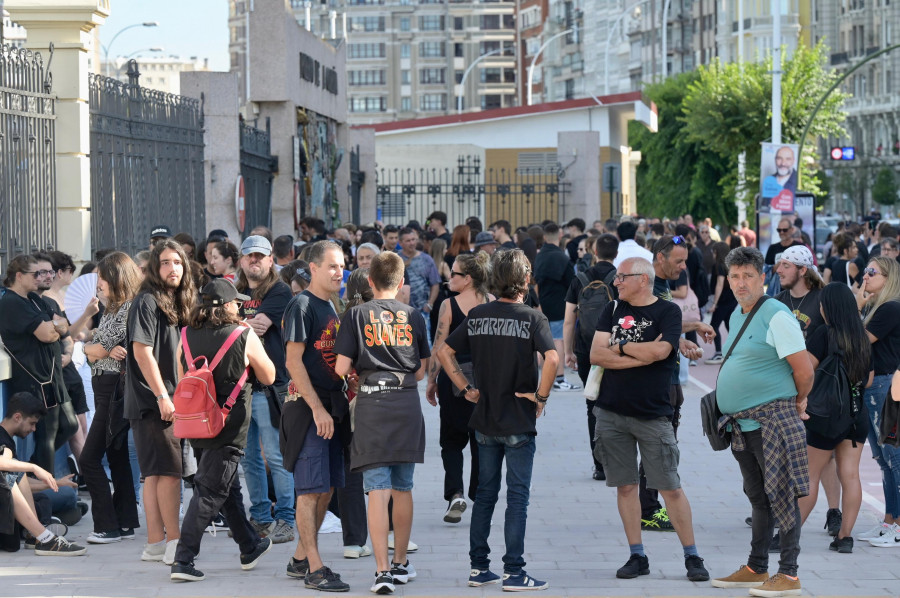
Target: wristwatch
[467, 388]
[622, 347]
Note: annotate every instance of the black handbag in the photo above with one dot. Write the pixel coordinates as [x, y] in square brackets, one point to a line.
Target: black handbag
[709, 407]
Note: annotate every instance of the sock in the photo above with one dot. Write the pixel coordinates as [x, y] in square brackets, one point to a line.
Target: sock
[46, 536]
[794, 578]
[750, 569]
[690, 550]
[560, 378]
[637, 549]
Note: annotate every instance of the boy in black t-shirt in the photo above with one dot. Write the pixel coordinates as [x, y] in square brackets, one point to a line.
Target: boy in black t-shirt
[23, 412]
[386, 342]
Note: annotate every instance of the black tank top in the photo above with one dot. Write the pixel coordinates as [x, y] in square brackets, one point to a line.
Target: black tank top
[206, 342]
[456, 319]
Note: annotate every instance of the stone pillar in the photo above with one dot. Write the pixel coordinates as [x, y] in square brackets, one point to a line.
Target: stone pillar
[68, 25]
[365, 139]
[582, 150]
[221, 136]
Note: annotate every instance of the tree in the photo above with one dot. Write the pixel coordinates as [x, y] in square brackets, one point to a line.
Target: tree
[728, 110]
[676, 175]
[884, 191]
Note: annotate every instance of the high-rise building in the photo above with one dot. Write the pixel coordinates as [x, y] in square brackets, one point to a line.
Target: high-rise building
[408, 58]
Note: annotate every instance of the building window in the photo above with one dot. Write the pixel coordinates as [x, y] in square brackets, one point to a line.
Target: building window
[350, 2]
[432, 76]
[458, 23]
[366, 77]
[431, 23]
[490, 75]
[489, 102]
[433, 102]
[508, 47]
[570, 89]
[404, 77]
[432, 50]
[368, 104]
[406, 104]
[404, 24]
[404, 50]
[494, 22]
[458, 75]
[458, 50]
[530, 17]
[366, 23]
[359, 51]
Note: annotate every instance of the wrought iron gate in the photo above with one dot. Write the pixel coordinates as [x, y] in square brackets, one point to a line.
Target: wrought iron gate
[27, 154]
[146, 163]
[521, 196]
[258, 168]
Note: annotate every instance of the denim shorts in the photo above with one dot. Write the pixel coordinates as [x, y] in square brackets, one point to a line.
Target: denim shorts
[556, 329]
[12, 477]
[389, 477]
[320, 464]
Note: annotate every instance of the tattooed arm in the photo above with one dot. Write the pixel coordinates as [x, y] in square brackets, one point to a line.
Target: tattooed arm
[434, 368]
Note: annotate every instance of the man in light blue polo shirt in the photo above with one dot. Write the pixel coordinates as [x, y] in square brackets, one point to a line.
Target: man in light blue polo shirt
[763, 384]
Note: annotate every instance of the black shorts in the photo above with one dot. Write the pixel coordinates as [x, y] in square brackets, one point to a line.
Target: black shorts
[857, 433]
[158, 451]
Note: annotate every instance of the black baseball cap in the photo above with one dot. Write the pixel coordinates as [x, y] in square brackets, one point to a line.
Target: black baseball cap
[161, 231]
[221, 291]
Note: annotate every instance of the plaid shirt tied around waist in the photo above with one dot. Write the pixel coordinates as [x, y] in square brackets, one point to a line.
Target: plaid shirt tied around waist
[786, 473]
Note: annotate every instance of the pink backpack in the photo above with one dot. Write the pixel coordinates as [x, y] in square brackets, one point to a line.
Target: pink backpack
[197, 413]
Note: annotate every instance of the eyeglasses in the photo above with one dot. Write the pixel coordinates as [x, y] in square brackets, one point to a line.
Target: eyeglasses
[452, 274]
[41, 273]
[621, 277]
[871, 271]
[782, 230]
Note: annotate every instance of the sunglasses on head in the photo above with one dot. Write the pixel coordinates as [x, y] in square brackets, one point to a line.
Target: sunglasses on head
[678, 239]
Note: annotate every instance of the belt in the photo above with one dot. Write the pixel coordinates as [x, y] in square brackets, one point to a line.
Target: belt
[379, 388]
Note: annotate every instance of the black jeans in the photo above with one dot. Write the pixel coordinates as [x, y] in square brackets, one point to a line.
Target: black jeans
[214, 491]
[753, 465]
[352, 506]
[53, 431]
[584, 368]
[650, 496]
[117, 510]
[454, 435]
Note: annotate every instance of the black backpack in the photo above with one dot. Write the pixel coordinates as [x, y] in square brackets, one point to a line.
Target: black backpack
[594, 297]
[833, 402]
[701, 287]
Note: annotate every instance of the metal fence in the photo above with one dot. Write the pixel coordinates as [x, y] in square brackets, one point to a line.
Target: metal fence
[27, 154]
[146, 163]
[258, 167]
[521, 196]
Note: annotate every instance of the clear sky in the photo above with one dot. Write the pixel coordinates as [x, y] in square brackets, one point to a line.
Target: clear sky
[186, 28]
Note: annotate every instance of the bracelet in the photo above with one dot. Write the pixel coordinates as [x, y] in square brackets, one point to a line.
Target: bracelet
[540, 398]
[161, 397]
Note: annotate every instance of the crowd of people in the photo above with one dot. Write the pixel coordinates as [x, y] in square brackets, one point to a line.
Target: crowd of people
[316, 347]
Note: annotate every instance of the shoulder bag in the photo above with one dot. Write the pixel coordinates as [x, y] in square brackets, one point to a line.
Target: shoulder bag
[709, 408]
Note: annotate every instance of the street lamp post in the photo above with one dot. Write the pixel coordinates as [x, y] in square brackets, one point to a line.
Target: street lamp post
[462, 83]
[107, 47]
[538, 53]
[609, 40]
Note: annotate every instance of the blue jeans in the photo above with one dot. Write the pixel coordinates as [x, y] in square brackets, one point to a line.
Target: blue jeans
[262, 432]
[519, 452]
[887, 456]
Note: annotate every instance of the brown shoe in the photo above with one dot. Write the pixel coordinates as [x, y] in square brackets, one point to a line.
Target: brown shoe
[777, 585]
[742, 578]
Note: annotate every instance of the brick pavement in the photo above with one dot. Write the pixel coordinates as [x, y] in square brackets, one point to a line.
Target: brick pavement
[574, 537]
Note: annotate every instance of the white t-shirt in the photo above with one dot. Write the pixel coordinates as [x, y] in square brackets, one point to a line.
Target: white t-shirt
[629, 249]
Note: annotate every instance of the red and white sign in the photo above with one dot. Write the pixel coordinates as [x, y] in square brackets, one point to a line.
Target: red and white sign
[240, 208]
[784, 201]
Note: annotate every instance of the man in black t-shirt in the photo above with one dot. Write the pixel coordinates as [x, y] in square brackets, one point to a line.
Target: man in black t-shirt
[553, 274]
[264, 311]
[31, 333]
[575, 230]
[162, 306]
[636, 343]
[502, 230]
[509, 399]
[23, 411]
[386, 343]
[802, 287]
[316, 413]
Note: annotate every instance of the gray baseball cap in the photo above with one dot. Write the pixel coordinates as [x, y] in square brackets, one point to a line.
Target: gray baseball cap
[256, 244]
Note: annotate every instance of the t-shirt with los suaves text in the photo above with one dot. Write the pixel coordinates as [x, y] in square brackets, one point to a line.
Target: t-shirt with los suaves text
[382, 335]
[147, 324]
[503, 338]
[642, 391]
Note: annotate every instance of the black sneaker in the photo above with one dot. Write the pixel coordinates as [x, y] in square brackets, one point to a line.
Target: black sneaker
[104, 537]
[775, 546]
[326, 580]
[403, 573]
[127, 533]
[297, 569]
[695, 569]
[658, 522]
[248, 561]
[749, 521]
[186, 572]
[842, 545]
[833, 521]
[636, 565]
[599, 474]
[384, 583]
[58, 546]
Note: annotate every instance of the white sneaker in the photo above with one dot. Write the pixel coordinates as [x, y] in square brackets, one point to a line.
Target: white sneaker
[890, 538]
[411, 547]
[154, 552]
[355, 552]
[169, 556]
[875, 532]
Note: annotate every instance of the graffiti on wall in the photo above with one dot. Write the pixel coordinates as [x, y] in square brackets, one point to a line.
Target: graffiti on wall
[320, 157]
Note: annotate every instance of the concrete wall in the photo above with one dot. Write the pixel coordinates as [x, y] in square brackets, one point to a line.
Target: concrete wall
[579, 154]
[221, 156]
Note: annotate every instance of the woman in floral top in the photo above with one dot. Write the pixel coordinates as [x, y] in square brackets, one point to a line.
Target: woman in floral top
[115, 515]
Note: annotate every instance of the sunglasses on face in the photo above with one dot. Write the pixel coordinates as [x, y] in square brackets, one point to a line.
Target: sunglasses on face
[871, 271]
[453, 273]
[782, 230]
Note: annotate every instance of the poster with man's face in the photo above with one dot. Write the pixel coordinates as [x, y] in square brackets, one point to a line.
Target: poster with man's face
[778, 198]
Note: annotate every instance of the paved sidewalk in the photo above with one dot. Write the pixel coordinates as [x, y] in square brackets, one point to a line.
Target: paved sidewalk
[574, 539]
